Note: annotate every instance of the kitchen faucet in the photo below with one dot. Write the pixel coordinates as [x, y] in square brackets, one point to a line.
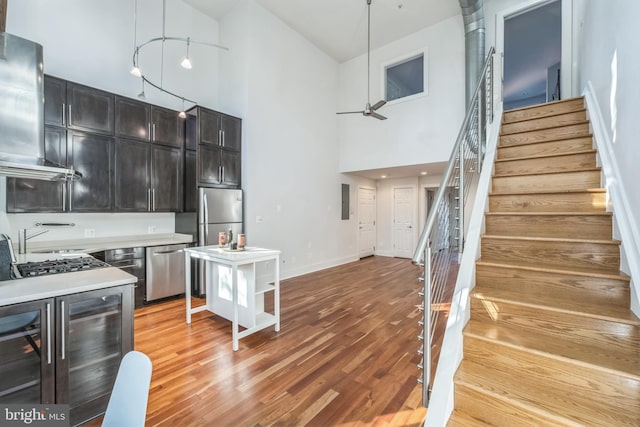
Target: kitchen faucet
[23, 237]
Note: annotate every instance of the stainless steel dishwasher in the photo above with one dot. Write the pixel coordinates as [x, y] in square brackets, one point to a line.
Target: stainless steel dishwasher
[165, 271]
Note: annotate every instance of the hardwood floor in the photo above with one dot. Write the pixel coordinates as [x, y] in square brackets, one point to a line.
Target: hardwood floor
[345, 355]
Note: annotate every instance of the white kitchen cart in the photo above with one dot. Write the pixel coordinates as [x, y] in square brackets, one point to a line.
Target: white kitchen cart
[234, 289]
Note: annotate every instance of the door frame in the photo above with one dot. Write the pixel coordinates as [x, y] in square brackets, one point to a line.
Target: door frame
[375, 218]
[568, 80]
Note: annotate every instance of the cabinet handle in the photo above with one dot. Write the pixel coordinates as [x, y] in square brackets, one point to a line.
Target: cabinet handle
[48, 334]
[153, 132]
[64, 110]
[125, 266]
[148, 131]
[64, 197]
[69, 116]
[222, 178]
[149, 199]
[153, 198]
[220, 137]
[219, 173]
[223, 139]
[126, 253]
[62, 330]
[171, 252]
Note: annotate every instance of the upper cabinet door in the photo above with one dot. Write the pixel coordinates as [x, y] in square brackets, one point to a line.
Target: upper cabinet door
[209, 127]
[231, 132]
[133, 119]
[89, 109]
[92, 156]
[166, 127]
[132, 176]
[166, 169]
[55, 101]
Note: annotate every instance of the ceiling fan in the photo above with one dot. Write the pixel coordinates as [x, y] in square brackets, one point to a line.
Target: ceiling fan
[369, 110]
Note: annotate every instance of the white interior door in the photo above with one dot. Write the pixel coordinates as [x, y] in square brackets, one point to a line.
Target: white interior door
[403, 222]
[366, 221]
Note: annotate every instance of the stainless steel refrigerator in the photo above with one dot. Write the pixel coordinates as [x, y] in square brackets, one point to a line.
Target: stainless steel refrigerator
[219, 209]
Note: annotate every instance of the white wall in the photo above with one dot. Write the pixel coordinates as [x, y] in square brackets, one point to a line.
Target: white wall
[286, 88]
[420, 130]
[92, 43]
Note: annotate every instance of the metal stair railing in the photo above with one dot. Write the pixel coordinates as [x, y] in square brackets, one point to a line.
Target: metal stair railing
[442, 240]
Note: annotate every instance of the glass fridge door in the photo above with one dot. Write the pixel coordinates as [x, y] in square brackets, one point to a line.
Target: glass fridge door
[27, 365]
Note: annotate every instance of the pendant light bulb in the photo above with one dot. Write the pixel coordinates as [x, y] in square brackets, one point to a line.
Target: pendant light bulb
[186, 62]
[135, 71]
[182, 114]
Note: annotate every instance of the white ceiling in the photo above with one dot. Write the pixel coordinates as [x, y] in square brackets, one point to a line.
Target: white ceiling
[339, 27]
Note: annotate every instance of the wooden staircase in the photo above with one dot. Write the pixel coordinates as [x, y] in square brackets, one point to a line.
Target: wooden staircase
[551, 340]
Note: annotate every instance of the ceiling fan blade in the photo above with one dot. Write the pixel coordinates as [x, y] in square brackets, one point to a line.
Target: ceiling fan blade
[378, 104]
[351, 112]
[377, 116]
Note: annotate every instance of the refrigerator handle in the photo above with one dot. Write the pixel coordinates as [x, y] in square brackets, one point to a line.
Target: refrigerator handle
[206, 218]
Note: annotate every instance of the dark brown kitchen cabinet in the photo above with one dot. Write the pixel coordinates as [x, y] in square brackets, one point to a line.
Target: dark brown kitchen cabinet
[147, 177]
[133, 261]
[89, 109]
[166, 179]
[30, 195]
[55, 101]
[66, 350]
[190, 182]
[217, 140]
[133, 119]
[166, 127]
[91, 155]
[132, 174]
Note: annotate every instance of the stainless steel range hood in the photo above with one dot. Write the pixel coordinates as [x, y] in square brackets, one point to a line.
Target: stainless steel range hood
[22, 113]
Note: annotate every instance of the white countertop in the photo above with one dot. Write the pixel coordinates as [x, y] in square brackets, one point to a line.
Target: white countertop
[90, 245]
[53, 285]
[226, 256]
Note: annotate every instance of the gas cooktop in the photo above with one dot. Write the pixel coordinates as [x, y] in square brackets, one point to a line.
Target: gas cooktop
[64, 265]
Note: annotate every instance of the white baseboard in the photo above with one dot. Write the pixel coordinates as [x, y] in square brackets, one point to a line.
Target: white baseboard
[625, 225]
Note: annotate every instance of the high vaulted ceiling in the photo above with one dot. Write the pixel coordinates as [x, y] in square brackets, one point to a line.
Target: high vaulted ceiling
[339, 27]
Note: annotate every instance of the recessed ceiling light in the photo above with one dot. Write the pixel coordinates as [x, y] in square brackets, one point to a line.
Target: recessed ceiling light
[383, 176]
[423, 173]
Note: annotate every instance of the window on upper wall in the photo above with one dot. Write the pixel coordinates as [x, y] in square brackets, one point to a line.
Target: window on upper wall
[405, 78]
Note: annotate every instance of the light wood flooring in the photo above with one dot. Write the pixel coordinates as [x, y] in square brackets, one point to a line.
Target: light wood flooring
[346, 355]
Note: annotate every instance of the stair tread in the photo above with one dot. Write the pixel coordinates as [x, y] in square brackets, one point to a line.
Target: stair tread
[551, 239]
[462, 419]
[620, 360]
[529, 174]
[545, 156]
[585, 190]
[544, 213]
[600, 273]
[546, 105]
[543, 141]
[579, 394]
[551, 302]
[581, 122]
[544, 122]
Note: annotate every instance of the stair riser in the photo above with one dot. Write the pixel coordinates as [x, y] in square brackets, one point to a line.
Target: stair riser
[546, 148]
[553, 134]
[596, 227]
[580, 255]
[544, 123]
[556, 324]
[499, 412]
[565, 163]
[587, 390]
[560, 202]
[569, 181]
[543, 110]
[564, 287]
